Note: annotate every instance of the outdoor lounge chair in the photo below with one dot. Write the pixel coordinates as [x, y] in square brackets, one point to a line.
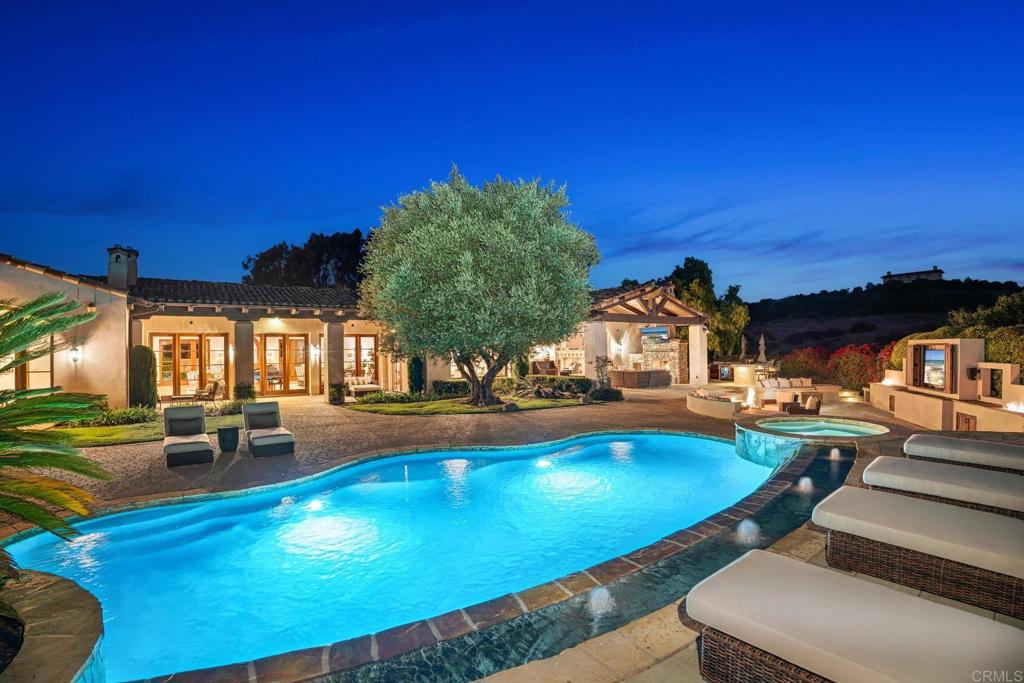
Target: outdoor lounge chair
[544, 367]
[264, 434]
[209, 393]
[812, 406]
[770, 618]
[999, 492]
[185, 439]
[969, 452]
[967, 555]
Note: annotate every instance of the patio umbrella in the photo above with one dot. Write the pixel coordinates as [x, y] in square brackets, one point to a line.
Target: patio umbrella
[743, 347]
[760, 350]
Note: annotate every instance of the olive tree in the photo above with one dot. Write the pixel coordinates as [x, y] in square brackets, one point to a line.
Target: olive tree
[477, 275]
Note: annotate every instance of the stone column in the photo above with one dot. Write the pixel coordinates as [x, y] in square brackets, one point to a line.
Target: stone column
[333, 354]
[698, 355]
[595, 343]
[243, 353]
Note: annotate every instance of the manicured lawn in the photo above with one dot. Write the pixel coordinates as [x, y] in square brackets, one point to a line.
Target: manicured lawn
[144, 431]
[457, 406]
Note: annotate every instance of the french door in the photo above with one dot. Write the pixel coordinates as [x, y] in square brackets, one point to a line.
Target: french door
[360, 358]
[281, 364]
[187, 363]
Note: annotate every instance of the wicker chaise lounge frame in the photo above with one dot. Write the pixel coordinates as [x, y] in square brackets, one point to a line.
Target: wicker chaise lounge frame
[957, 581]
[949, 501]
[724, 659]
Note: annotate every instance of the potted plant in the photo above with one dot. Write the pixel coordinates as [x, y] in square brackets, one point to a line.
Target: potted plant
[336, 393]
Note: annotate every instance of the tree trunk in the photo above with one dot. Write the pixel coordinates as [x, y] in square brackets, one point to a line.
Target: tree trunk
[481, 389]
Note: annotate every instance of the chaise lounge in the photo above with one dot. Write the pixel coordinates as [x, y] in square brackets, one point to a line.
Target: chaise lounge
[966, 555]
[1001, 493]
[264, 434]
[769, 618]
[185, 438]
[990, 455]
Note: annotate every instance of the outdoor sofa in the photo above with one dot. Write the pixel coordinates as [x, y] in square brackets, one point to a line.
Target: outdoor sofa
[967, 555]
[264, 434]
[767, 618]
[784, 390]
[1001, 493]
[185, 439]
[1003, 457]
[358, 386]
[641, 379]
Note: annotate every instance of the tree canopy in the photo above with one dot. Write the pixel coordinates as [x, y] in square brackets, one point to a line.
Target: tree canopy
[323, 261]
[479, 275]
[727, 314]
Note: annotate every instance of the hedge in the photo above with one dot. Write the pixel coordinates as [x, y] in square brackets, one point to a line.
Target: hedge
[142, 377]
[450, 388]
[568, 384]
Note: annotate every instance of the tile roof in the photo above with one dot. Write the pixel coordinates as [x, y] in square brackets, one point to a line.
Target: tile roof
[169, 291]
[98, 282]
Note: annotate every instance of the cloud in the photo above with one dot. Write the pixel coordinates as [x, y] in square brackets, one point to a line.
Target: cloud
[121, 196]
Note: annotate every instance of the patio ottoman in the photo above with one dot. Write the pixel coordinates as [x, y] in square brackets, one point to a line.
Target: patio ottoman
[973, 487]
[772, 618]
[969, 452]
[967, 555]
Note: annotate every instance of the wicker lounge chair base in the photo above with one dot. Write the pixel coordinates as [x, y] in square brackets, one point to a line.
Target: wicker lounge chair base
[964, 583]
[190, 458]
[949, 501]
[272, 449]
[724, 659]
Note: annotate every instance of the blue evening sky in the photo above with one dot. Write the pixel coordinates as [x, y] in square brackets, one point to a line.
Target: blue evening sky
[795, 146]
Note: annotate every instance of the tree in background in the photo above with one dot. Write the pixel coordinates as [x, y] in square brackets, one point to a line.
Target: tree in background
[629, 283]
[323, 261]
[478, 275]
[26, 451]
[727, 315]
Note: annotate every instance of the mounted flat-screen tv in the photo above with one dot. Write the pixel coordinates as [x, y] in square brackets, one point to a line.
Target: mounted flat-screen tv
[935, 368]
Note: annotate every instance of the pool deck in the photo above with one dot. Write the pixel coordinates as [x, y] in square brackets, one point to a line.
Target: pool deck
[656, 647]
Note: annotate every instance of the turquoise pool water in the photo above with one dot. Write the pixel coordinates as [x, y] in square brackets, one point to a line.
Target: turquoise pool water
[823, 427]
[376, 545]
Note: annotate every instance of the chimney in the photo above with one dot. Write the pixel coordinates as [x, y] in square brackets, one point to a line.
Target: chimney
[122, 267]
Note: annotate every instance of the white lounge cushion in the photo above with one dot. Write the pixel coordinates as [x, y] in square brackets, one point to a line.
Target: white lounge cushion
[786, 395]
[980, 539]
[268, 437]
[784, 383]
[848, 629]
[969, 484]
[971, 451]
[187, 444]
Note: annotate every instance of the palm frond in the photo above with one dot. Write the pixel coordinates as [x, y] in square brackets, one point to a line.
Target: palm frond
[49, 490]
[26, 329]
[36, 514]
[20, 456]
[47, 408]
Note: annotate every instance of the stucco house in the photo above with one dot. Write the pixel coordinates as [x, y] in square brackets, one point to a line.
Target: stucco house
[297, 340]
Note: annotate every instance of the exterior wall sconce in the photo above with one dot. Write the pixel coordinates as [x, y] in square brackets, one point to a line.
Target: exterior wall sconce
[76, 354]
[314, 352]
[90, 307]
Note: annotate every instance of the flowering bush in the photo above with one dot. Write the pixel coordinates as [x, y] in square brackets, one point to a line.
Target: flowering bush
[883, 358]
[808, 362]
[853, 366]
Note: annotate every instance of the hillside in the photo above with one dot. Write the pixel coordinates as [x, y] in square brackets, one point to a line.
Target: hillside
[875, 314]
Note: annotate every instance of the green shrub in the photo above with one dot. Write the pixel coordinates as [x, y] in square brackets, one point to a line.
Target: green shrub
[606, 394]
[450, 388]
[227, 408]
[806, 362]
[521, 366]
[244, 391]
[336, 392]
[142, 377]
[568, 384]
[1005, 345]
[417, 374]
[122, 416]
[397, 397]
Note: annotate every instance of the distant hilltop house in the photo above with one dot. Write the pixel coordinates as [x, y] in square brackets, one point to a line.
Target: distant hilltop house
[934, 274]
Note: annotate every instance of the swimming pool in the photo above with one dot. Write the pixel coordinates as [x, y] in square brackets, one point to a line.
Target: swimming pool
[822, 426]
[379, 544]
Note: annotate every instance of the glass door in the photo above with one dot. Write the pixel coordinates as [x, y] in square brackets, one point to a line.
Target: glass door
[295, 364]
[163, 347]
[215, 362]
[188, 365]
[360, 358]
[273, 363]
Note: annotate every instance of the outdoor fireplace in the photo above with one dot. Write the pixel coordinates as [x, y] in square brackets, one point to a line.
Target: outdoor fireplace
[659, 353]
